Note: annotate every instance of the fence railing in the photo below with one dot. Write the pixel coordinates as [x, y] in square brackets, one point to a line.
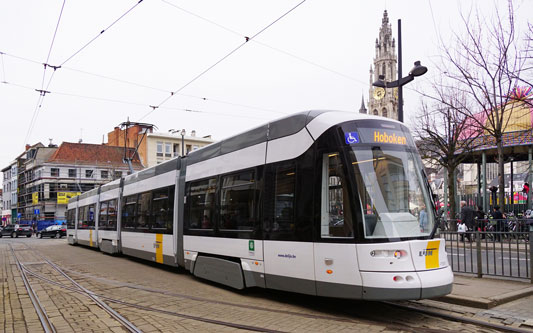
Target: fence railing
[497, 253]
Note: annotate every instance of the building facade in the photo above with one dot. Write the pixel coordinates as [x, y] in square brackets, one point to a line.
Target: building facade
[48, 176]
[384, 101]
[9, 193]
[165, 146]
[153, 147]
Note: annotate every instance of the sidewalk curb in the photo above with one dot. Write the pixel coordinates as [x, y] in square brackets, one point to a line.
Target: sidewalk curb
[486, 303]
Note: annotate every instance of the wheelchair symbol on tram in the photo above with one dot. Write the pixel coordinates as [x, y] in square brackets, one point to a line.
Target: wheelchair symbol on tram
[351, 138]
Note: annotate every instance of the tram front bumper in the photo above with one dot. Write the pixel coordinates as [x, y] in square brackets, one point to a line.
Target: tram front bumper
[407, 285]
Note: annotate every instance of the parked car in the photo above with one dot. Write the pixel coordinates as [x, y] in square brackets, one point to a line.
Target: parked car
[15, 230]
[56, 231]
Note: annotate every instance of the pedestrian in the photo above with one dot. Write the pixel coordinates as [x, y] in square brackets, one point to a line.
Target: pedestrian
[423, 219]
[500, 222]
[480, 220]
[467, 217]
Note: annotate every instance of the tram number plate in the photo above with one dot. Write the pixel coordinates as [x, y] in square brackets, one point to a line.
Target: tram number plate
[157, 245]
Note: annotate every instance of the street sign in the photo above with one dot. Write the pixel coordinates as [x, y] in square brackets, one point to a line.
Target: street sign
[36, 211]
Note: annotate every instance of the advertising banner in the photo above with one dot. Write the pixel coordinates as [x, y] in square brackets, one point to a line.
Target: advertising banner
[64, 197]
[35, 198]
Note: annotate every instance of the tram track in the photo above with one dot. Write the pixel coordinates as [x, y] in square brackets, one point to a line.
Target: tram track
[397, 322]
[41, 312]
[45, 320]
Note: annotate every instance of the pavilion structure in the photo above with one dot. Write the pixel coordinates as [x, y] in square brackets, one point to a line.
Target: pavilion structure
[517, 142]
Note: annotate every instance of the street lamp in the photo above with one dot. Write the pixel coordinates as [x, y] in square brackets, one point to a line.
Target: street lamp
[418, 70]
[182, 142]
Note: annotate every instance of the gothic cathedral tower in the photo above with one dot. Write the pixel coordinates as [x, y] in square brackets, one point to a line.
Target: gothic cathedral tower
[384, 102]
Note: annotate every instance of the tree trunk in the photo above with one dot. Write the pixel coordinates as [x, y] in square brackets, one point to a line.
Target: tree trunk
[501, 174]
[451, 196]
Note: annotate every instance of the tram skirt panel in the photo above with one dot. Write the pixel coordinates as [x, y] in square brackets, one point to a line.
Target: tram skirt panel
[225, 272]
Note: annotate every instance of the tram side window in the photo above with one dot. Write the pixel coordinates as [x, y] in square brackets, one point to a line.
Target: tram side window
[112, 214]
[284, 200]
[201, 202]
[335, 220]
[107, 219]
[128, 212]
[90, 216]
[142, 217]
[71, 218]
[81, 218]
[237, 202]
[163, 210]
[102, 216]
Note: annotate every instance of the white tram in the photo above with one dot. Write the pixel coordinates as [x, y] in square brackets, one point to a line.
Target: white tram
[322, 202]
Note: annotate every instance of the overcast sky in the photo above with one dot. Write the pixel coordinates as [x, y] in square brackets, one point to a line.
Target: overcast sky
[316, 57]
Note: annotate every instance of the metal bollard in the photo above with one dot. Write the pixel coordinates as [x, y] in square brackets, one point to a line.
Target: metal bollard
[478, 253]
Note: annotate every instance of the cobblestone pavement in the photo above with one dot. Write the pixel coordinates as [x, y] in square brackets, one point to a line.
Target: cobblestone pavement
[162, 299]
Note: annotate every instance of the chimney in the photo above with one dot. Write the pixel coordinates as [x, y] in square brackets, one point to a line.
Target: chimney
[193, 133]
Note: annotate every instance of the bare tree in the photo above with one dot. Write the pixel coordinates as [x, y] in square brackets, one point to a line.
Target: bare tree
[440, 130]
[486, 64]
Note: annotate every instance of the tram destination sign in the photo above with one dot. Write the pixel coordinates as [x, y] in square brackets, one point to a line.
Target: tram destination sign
[384, 136]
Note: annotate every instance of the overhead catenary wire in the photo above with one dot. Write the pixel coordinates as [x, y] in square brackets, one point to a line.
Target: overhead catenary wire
[140, 85]
[46, 65]
[247, 39]
[42, 93]
[190, 110]
[265, 45]
[100, 33]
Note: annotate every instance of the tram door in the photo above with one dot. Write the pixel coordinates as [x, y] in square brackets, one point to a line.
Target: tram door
[335, 261]
[288, 259]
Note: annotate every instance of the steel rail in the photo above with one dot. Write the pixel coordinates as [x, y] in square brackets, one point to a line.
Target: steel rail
[41, 312]
[141, 307]
[126, 323]
[460, 319]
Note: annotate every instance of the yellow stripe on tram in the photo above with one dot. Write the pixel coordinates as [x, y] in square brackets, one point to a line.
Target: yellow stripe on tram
[90, 238]
[432, 254]
[159, 248]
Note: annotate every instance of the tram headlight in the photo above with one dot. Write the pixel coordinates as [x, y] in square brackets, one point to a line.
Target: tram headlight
[399, 253]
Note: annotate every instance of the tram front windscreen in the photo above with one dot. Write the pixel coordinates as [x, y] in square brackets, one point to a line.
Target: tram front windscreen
[392, 190]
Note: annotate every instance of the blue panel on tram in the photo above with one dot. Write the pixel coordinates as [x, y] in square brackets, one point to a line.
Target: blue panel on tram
[351, 138]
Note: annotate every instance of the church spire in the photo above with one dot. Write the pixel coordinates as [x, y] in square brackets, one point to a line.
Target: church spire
[363, 107]
[383, 101]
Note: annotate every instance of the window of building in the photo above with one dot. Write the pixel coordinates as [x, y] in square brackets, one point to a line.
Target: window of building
[117, 174]
[188, 149]
[237, 202]
[159, 148]
[384, 113]
[375, 112]
[72, 173]
[104, 174]
[88, 173]
[168, 149]
[54, 172]
[176, 149]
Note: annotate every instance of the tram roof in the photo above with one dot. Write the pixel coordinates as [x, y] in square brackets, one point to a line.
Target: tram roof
[270, 131]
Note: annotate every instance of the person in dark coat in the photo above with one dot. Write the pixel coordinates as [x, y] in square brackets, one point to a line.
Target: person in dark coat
[500, 222]
[480, 220]
[467, 217]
